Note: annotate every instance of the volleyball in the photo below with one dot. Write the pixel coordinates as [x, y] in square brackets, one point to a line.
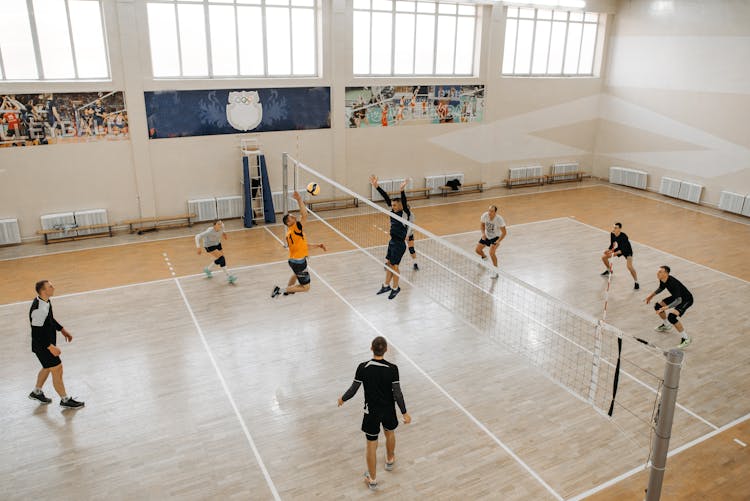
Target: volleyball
[313, 189]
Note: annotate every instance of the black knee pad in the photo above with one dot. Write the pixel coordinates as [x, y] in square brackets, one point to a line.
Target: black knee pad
[673, 319]
[657, 307]
[412, 251]
[221, 261]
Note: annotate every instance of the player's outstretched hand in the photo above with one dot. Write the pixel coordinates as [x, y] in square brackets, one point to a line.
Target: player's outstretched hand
[374, 180]
[403, 185]
[341, 402]
[199, 251]
[407, 418]
[323, 246]
[296, 196]
[68, 336]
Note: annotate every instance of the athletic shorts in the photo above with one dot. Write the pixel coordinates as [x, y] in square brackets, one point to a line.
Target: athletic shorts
[213, 248]
[396, 249]
[682, 307]
[374, 418]
[46, 358]
[623, 253]
[488, 241]
[299, 267]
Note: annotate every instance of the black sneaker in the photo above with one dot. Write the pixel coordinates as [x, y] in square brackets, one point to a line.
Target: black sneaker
[40, 397]
[394, 293]
[636, 286]
[416, 267]
[288, 293]
[276, 291]
[384, 289]
[71, 403]
[605, 273]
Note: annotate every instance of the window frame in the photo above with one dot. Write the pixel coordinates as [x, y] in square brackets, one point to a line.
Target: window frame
[583, 22]
[211, 75]
[436, 17]
[38, 54]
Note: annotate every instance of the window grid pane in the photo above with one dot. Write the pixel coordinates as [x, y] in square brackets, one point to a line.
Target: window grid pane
[389, 40]
[66, 37]
[247, 38]
[541, 42]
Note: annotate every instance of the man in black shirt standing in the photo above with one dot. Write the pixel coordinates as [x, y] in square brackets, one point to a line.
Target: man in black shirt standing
[676, 304]
[382, 390]
[44, 329]
[397, 244]
[619, 245]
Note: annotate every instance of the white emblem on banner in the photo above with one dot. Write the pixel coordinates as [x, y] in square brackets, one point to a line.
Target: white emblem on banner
[244, 111]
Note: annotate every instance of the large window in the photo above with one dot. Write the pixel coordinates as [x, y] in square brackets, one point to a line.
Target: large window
[232, 38]
[413, 38]
[52, 40]
[543, 42]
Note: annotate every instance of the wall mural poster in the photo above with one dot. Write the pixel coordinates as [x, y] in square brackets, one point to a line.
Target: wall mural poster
[70, 117]
[413, 105]
[209, 112]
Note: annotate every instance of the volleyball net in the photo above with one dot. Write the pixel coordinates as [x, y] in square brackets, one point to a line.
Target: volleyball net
[592, 360]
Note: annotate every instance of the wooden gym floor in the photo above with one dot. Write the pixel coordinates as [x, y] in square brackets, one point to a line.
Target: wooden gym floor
[195, 389]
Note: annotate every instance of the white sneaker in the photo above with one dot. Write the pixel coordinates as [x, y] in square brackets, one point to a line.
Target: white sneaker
[495, 276]
[685, 343]
[663, 328]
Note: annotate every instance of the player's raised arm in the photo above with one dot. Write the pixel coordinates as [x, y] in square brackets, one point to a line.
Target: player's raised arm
[302, 207]
[374, 183]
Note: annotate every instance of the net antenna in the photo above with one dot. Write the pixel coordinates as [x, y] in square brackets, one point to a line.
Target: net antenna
[584, 355]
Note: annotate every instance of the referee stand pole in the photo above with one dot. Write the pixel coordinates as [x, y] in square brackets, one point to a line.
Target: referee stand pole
[664, 423]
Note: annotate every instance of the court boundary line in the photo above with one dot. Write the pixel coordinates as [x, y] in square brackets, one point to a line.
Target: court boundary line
[573, 218]
[674, 452]
[471, 417]
[249, 437]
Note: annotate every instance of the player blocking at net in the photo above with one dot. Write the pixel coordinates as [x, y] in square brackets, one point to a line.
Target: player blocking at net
[397, 243]
[211, 240]
[296, 241]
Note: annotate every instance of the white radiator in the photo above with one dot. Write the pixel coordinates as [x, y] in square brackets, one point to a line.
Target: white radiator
[670, 187]
[455, 175]
[519, 173]
[565, 168]
[628, 177]
[732, 202]
[278, 202]
[204, 209]
[690, 192]
[434, 183]
[229, 207]
[9, 232]
[91, 217]
[65, 221]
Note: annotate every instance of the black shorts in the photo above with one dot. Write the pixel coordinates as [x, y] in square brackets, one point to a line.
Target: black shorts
[213, 248]
[374, 418]
[396, 249]
[625, 254]
[300, 269]
[47, 359]
[488, 241]
[682, 307]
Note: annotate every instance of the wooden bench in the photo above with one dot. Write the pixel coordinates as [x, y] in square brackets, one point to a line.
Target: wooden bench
[414, 193]
[331, 203]
[464, 188]
[518, 182]
[65, 238]
[564, 177]
[155, 223]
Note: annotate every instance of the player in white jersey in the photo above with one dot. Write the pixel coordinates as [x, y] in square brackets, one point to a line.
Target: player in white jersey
[211, 240]
[493, 232]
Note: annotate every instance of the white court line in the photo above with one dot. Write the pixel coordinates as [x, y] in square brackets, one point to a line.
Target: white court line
[572, 218]
[669, 202]
[249, 437]
[435, 383]
[674, 452]
[743, 444]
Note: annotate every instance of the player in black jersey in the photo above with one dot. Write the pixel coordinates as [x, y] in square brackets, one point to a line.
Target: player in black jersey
[382, 390]
[397, 244]
[673, 307]
[44, 329]
[619, 245]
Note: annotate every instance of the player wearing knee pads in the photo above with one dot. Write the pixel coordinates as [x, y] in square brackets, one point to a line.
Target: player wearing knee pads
[672, 308]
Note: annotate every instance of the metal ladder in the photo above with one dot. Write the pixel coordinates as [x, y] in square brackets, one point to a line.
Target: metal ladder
[251, 148]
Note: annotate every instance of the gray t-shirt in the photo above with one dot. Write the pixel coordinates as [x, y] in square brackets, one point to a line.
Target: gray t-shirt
[210, 237]
[492, 226]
